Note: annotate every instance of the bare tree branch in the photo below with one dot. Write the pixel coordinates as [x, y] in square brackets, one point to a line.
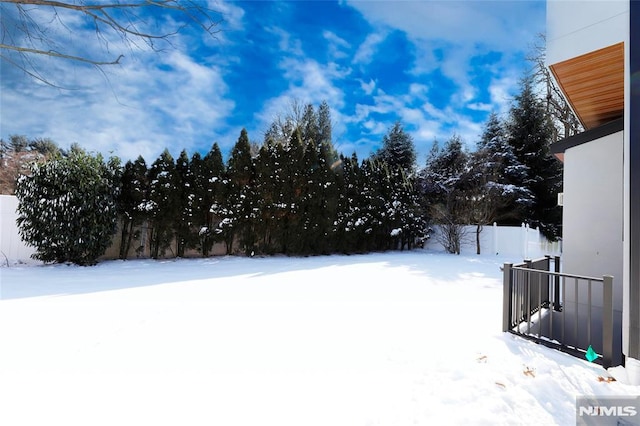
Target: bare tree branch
[565, 122]
[59, 55]
[29, 29]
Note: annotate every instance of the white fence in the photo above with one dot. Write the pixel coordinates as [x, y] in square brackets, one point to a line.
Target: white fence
[519, 242]
[12, 249]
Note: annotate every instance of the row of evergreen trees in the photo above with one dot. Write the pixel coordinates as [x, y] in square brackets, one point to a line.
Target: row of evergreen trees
[295, 194]
[294, 197]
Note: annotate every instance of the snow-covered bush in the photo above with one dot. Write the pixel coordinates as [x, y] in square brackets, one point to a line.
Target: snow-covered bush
[67, 208]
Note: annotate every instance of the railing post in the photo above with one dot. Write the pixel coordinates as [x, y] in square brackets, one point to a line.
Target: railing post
[556, 284]
[548, 282]
[528, 290]
[507, 285]
[607, 321]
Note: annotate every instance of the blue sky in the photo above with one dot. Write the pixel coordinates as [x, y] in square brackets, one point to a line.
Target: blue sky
[440, 67]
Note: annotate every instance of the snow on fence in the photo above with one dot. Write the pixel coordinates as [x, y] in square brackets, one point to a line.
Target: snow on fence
[517, 241]
[520, 242]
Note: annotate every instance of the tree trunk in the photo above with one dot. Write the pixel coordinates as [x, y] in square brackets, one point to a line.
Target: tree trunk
[123, 238]
[128, 243]
[478, 231]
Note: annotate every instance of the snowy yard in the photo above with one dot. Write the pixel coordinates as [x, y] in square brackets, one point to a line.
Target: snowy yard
[382, 339]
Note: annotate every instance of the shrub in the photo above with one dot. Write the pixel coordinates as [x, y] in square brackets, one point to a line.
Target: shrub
[67, 208]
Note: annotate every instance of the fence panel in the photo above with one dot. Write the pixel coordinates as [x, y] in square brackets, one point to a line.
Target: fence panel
[12, 248]
[517, 241]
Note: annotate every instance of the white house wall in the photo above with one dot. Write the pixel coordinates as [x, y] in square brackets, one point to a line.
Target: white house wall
[578, 27]
[593, 211]
[593, 236]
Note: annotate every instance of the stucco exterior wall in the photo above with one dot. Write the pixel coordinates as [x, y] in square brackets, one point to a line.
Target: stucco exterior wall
[578, 27]
[592, 212]
[593, 232]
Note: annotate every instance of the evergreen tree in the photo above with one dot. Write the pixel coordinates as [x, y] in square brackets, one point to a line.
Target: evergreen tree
[324, 124]
[530, 133]
[398, 149]
[132, 203]
[493, 181]
[378, 207]
[312, 202]
[326, 179]
[267, 185]
[444, 190]
[327, 153]
[213, 183]
[238, 211]
[360, 207]
[239, 165]
[383, 205]
[309, 130]
[327, 190]
[68, 208]
[164, 203]
[405, 212]
[290, 228]
[377, 193]
[184, 227]
[282, 196]
[350, 200]
[272, 134]
[197, 206]
[445, 168]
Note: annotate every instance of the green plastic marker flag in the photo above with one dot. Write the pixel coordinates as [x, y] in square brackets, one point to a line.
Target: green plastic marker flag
[591, 355]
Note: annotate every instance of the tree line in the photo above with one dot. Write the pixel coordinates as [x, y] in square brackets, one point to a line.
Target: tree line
[294, 194]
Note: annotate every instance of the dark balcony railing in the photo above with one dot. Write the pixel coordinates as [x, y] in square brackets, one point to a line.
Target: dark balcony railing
[563, 311]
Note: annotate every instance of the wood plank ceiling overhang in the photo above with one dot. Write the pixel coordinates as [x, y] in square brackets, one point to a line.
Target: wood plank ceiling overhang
[594, 84]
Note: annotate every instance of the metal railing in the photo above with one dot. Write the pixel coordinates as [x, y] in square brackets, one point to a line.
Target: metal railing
[559, 310]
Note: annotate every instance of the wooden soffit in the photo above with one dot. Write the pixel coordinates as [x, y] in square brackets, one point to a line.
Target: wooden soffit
[594, 84]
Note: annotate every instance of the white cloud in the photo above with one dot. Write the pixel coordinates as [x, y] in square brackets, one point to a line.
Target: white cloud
[368, 87]
[368, 48]
[171, 99]
[480, 106]
[418, 90]
[309, 82]
[287, 44]
[374, 127]
[150, 101]
[454, 64]
[447, 35]
[424, 121]
[138, 108]
[502, 93]
[231, 15]
[507, 24]
[336, 45]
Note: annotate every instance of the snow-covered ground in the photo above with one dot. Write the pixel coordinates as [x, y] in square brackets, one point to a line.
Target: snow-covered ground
[383, 339]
